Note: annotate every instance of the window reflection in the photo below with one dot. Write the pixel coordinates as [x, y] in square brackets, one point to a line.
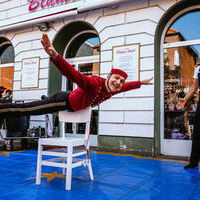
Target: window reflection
[6, 71]
[6, 51]
[89, 69]
[187, 25]
[84, 45]
[179, 66]
[89, 48]
[6, 84]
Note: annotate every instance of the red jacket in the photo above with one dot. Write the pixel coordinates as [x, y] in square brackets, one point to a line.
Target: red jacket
[92, 90]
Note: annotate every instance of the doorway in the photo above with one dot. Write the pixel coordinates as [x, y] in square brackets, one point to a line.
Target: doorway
[180, 57]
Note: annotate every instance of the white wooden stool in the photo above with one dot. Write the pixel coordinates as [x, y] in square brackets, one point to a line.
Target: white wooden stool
[66, 158]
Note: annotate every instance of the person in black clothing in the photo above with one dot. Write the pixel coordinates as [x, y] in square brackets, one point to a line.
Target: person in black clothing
[2, 89]
[195, 152]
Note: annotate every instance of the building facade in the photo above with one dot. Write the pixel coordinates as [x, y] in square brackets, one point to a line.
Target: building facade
[85, 32]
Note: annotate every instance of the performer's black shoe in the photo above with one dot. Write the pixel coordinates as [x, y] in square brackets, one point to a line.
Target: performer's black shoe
[191, 166]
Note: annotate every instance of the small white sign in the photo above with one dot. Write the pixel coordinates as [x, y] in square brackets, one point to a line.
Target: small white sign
[127, 58]
[30, 72]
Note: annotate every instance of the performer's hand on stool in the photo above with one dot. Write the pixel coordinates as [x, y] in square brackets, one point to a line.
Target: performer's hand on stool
[48, 47]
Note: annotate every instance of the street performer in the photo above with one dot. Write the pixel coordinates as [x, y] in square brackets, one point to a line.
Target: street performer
[91, 91]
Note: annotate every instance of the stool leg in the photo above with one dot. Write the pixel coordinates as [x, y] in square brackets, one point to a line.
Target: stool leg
[63, 169]
[39, 159]
[69, 168]
[89, 164]
[90, 170]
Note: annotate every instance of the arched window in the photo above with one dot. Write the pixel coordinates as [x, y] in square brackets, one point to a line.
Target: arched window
[6, 51]
[79, 44]
[181, 51]
[83, 45]
[6, 70]
[82, 52]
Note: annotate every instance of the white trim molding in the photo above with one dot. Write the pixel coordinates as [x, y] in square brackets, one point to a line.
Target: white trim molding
[167, 145]
[7, 65]
[55, 13]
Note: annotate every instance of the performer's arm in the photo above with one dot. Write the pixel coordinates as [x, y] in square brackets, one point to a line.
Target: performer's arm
[130, 86]
[48, 47]
[135, 84]
[68, 70]
[64, 67]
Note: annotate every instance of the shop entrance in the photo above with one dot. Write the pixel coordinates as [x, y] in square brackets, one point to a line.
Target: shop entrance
[177, 53]
[181, 51]
[180, 61]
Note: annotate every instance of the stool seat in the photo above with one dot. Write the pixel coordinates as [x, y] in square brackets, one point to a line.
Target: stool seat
[61, 141]
[67, 156]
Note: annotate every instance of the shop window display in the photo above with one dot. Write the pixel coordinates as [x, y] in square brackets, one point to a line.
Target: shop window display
[6, 71]
[6, 51]
[179, 66]
[6, 75]
[6, 84]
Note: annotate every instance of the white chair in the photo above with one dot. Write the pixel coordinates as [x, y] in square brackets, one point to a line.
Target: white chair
[66, 159]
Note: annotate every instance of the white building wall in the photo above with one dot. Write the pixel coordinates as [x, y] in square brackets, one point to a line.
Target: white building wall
[15, 11]
[26, 43]
[130, 113]
[127, 114]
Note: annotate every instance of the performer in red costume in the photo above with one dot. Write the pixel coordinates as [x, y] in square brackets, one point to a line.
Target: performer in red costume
[91, 91]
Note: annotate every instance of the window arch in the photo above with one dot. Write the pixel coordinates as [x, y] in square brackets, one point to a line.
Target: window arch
[82, 51]
[6, 51]
[79, 43]
[6, 70]
[168, 19]
[84, 43]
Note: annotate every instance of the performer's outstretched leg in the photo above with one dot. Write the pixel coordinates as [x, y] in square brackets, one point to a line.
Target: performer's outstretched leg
[54, 103]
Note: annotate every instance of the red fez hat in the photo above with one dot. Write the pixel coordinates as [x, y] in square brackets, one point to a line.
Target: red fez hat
[120, 72]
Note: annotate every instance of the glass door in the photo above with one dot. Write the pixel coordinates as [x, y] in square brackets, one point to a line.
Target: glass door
[179, 58]
[180, 61]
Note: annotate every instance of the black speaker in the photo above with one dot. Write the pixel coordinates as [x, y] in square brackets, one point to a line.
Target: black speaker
[17, 127]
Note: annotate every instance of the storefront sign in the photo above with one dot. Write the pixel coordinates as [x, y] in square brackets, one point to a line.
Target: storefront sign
[34, 4]
[127, 58]
[30, 72]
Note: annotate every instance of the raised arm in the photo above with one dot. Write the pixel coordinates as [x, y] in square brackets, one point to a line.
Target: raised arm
[48, 47]
[64, 67]
[135, 84]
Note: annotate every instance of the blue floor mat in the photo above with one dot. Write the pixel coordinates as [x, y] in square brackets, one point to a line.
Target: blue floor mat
[115, 178]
